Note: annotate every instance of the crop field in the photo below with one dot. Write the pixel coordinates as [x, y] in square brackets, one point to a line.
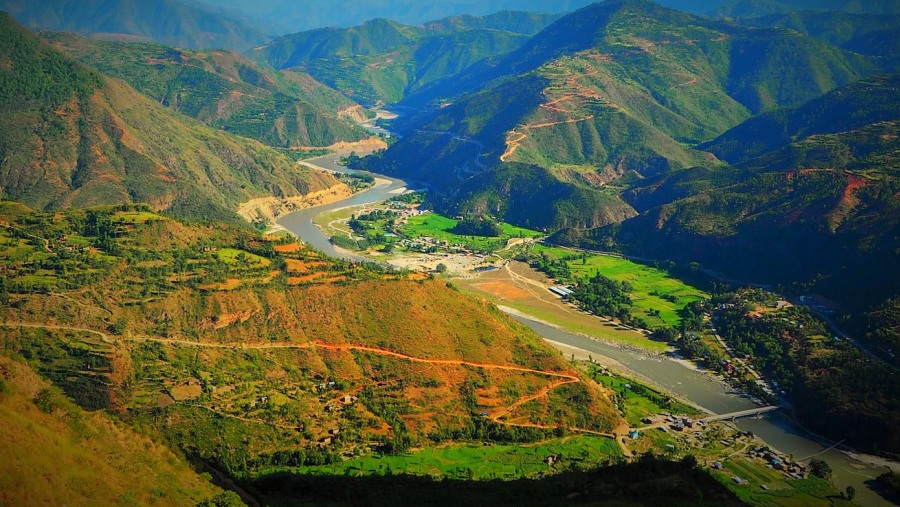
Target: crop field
[481, 462]
[432, 225]
[781, 492]
[651, 288]
[639, 401]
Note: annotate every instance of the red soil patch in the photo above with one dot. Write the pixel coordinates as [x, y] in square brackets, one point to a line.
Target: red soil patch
[503, 290]
[289, 248]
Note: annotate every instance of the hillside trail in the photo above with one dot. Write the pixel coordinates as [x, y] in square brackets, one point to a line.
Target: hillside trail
[562, 378]
[515, 137]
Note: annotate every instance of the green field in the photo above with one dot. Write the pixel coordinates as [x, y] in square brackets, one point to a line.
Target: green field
[480, 462]
[651, 288]
[606, 331]
[638, 400]
[233, 256]
[439, 227]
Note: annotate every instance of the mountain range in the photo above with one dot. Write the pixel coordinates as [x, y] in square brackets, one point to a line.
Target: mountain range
[227, 91]
[382, 61]
[83, 139]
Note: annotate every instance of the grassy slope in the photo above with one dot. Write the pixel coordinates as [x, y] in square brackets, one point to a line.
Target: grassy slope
[306, 299]
[223, 90]
[94, 140]
[84, 458]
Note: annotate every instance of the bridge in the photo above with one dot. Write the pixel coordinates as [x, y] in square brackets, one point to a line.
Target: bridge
[742, 413]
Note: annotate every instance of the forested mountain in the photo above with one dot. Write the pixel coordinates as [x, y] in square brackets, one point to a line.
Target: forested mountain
[225, 90]
[613, 92]
[383, 61]
[81, 139]
[813, 200]
[170, 22]
[864, 33]
[744, 9]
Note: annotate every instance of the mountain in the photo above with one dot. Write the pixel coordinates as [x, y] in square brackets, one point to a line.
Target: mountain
[744, 9]
[847, 108]
[383, 61]
[80, 139]
[224, 90]
[301, 15]
[868, 34]
[256, 355]
[610, 94]
[822, 179]
[169, 22]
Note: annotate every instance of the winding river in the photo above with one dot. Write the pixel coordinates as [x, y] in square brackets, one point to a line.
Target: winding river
[775, 428]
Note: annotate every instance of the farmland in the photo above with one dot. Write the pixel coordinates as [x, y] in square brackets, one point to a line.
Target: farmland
[651, 289]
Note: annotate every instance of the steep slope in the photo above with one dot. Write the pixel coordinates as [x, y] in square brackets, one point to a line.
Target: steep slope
[85, 458]
[74, 138]
[850, 107]
[168, 22]
[252, 354]
[612, 93]
[383, 61]
[821, 214]
[224, 90]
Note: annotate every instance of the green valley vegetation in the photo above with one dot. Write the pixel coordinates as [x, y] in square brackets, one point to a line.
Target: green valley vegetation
[84, 139]
[401, 227]
[829, 382]
[226, 91]
[640, 295]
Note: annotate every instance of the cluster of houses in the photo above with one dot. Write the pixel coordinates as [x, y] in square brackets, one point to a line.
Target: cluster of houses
[774, 461]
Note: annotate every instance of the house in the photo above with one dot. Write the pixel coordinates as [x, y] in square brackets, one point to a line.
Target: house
[634, 435]
[717, 465]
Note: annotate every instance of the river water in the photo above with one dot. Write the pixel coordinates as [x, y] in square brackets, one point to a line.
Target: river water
[688, 383]
[301, 222]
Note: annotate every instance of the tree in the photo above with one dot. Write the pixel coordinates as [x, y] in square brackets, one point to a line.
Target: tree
[223, 499]
[441, 268]
[851, 492]
[820, 468]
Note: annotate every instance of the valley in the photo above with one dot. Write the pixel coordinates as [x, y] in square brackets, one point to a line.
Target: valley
[524, 293]
[612, 253]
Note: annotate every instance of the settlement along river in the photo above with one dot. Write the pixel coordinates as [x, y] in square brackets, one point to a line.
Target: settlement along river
[698, 387]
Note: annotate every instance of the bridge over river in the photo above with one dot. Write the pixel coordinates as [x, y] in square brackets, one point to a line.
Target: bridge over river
[741, 413]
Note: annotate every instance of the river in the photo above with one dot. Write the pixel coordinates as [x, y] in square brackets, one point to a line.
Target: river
[301, 222]
[688, 383]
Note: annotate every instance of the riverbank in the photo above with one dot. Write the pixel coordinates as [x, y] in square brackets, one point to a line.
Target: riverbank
[657, 370]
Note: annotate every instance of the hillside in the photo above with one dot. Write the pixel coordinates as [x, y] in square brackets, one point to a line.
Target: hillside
[252, 354]
[869, 34]
[224, 90]
[608, 95]
[85, 457]
[383, 61]
[75, 138]
[746, 9]
[850, 107]
[832, 194]
[170, 22]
